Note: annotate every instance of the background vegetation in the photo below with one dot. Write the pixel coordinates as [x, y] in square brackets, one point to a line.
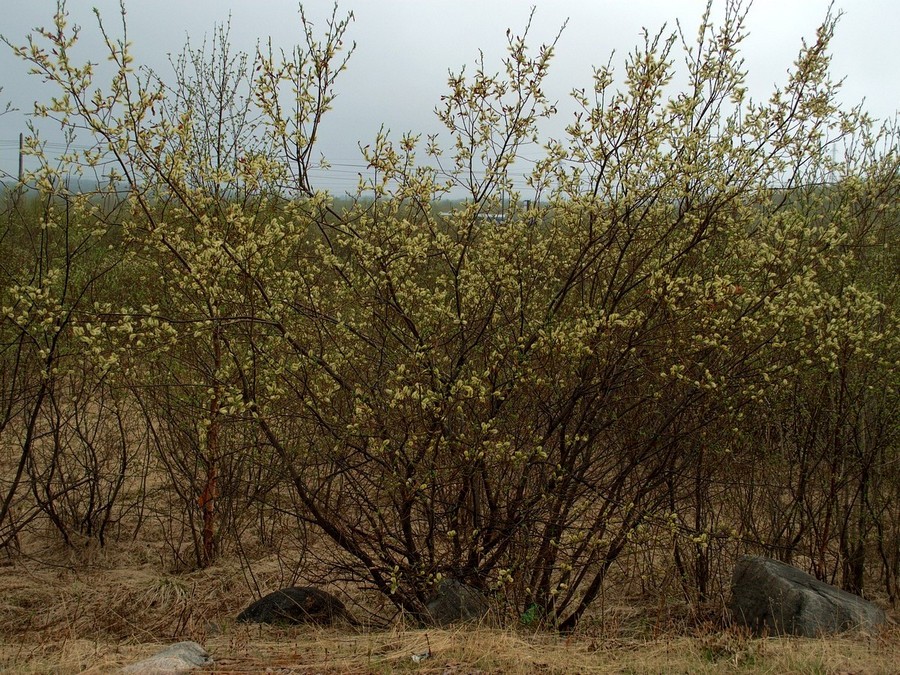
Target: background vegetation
[681, 346]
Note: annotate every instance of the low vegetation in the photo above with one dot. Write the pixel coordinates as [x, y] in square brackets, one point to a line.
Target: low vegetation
[681, 345]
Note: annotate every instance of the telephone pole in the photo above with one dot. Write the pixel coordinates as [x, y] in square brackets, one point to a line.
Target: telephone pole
[21, 156]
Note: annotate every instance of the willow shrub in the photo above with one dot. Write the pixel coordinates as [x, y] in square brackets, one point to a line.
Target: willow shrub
[518, 405]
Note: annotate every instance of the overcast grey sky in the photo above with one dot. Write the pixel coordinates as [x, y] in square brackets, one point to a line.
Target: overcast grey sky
[405, 48]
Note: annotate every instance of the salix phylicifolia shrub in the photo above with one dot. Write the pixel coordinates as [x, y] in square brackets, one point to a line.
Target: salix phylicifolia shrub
[518, 405]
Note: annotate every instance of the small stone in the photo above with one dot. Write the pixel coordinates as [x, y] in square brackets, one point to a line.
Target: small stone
[178, 658]
[768, 595]
[456, 601]
[297, 605]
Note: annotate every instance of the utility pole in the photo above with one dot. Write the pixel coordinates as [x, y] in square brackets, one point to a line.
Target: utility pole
[20, 188]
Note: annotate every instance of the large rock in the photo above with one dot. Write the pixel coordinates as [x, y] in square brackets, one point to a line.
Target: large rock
[179, 658]
[771, 596]
[455, 601]
[296, 605]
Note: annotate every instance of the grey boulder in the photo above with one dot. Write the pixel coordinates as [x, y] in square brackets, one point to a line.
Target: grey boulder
[179, 658]
[297, 605]
[455, 601]
[771, 596]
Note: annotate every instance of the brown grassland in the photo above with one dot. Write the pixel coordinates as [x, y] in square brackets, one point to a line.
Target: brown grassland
[105, 610]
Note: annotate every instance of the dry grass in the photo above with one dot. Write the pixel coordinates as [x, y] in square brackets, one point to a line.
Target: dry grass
[71, 617]
[477, 650]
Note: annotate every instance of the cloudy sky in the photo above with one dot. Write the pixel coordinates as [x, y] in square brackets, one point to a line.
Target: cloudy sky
[406, 47]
